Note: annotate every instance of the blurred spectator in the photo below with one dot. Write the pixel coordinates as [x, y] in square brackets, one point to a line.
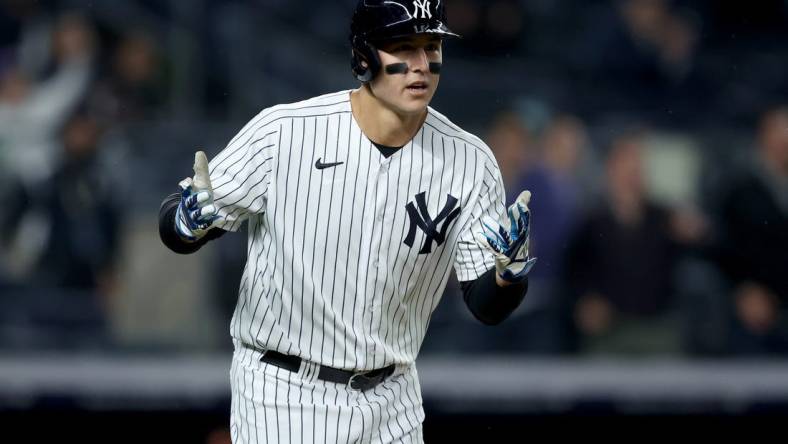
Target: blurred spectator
[25, 36]
[644, 58]
[512, 143]
[67, 229]
[621, 264]
[134, 89]
[564, 179]
[31, 113]
[85, 206]
[754, 242]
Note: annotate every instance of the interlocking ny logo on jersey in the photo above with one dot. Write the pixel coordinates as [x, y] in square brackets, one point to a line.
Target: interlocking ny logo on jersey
[423, 7]
[421, 218]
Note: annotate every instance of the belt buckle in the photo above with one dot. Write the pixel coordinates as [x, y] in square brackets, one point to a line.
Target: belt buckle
[364, 382]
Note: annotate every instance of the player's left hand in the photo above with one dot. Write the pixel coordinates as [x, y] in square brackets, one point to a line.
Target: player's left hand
[509, 241]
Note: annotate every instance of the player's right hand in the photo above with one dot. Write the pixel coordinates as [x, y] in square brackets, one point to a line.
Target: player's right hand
[196, 212]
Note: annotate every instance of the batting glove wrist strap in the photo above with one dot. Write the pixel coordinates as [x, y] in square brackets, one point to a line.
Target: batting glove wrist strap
[509, 241]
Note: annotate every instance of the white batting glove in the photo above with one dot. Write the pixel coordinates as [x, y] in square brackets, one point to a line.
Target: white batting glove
[509, 241]
[196, 213]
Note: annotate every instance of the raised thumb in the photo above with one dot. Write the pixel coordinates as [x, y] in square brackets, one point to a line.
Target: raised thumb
[202, 179]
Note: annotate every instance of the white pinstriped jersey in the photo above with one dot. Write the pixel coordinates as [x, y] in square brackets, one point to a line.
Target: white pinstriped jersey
[346, 263]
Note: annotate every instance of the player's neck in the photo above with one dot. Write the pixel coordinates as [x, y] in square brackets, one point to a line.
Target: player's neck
[380, 123]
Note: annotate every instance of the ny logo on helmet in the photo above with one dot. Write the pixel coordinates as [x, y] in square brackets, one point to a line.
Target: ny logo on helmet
[421, 218]
[423, 7]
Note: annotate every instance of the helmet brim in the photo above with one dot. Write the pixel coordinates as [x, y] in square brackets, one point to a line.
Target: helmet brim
[403, 30]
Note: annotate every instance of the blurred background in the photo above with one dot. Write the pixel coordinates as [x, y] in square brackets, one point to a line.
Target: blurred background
[652, 133]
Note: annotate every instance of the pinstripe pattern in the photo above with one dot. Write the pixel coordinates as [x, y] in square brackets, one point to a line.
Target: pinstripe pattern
[271, 405]
[330, 276]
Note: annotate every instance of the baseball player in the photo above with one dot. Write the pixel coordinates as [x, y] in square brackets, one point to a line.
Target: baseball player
[358, 205]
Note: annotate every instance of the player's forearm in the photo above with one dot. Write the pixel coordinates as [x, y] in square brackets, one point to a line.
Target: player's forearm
[169, 235]
[489, 302]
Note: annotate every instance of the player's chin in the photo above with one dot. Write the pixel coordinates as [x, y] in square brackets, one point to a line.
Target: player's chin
[417, 99]
[414, 108]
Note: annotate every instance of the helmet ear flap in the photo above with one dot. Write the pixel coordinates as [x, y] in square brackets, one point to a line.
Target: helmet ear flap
[364, 52]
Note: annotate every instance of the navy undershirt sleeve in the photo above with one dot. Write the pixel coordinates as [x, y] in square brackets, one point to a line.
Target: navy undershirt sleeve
[169, 236]
[489, 302]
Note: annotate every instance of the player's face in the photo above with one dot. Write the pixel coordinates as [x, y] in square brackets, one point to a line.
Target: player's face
[410, 90]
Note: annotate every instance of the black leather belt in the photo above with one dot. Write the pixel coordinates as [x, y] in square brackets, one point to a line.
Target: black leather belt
[356, 380]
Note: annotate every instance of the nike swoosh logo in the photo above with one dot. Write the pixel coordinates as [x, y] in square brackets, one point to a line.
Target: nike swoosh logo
[322, 166]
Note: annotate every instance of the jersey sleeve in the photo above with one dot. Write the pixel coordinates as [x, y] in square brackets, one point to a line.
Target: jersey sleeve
[241, 174]
[471, 259]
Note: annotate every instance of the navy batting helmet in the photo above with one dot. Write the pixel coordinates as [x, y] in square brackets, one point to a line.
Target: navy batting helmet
[376, 21]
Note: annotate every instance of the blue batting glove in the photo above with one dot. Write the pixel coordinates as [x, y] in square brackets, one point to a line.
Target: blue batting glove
[196, 212]
[509, 243]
